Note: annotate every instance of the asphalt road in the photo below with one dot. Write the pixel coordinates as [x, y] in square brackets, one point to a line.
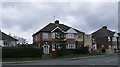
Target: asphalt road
[99, 60]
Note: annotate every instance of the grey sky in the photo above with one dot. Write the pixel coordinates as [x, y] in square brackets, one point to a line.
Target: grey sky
[25, 18]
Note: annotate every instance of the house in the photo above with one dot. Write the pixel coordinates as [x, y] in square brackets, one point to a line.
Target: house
[115, 41]
[6, 40]
[103, 38]
[58, 36]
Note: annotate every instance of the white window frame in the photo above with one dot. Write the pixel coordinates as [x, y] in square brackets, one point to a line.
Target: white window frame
[70, 35]
[71, 46]
[108, 38]
[53, 35]
[45, 35]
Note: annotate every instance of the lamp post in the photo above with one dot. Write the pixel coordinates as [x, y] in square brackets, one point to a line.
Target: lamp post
[117, 43]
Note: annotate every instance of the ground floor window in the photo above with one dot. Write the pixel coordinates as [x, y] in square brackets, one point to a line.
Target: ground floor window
[56, 46]
[70, 46]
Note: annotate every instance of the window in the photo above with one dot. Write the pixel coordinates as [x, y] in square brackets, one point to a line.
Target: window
[57, 35]
[35, 37]
[53, 47]
[114, 39]
[70, 46]
[70, 36]
[108, 38]
[45, 35]
[53, 35]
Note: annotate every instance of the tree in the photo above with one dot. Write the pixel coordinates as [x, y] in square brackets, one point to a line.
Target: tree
[21, 41]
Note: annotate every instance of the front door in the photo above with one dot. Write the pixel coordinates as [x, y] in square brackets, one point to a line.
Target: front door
[46, 49]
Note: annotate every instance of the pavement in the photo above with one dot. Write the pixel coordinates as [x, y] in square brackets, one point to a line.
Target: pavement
[90, 60]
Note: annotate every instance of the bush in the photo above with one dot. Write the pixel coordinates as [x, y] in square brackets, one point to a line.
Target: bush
[82, 50]
[17, 52]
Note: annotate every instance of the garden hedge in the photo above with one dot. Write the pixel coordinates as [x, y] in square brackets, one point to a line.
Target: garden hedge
[81, 50]
[20, 52]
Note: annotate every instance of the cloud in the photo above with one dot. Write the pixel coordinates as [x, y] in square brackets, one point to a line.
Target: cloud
[25, 18]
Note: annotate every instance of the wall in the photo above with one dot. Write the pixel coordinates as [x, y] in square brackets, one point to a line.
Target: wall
[1, 42]
[88, 40]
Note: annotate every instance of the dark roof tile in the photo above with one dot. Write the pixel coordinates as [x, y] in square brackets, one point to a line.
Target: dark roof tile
[7, 37]
[51, 26]
[103, 33]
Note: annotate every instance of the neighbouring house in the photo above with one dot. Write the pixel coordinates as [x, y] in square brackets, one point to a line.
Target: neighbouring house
[103, 38]
[7, 40]
[58, 36]
[115, 43]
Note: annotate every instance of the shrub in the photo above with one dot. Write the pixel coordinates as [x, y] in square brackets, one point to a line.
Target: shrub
[17, 52]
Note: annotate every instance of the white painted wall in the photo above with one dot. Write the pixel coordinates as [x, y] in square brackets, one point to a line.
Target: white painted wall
[71, 30]
[1, 42]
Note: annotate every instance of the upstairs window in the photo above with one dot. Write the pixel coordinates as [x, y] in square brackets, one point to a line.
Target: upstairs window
[45, 35]
[35, 37]
[53, 35]
[70, 36]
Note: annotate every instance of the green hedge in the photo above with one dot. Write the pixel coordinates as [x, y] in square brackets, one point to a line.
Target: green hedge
[17, 52]
[82, 50]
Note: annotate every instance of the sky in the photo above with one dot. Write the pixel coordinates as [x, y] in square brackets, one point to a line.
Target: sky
[25, 18]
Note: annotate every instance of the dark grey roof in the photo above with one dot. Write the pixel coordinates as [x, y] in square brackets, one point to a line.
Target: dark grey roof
[103, 32]
[7, 37]
[51, 26]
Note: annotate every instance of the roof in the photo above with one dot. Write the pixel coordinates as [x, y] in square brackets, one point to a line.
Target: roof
[78, 31]
[7, 37]
[51, 26]
[103, 32]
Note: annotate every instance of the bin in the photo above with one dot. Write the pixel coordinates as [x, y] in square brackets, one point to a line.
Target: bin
[54, 54]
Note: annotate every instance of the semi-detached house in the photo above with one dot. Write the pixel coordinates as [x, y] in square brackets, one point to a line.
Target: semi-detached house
[58, 36]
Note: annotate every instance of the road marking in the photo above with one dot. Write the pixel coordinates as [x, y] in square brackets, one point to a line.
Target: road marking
[110, 60]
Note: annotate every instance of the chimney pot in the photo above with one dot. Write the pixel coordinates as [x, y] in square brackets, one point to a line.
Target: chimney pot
[104, 27]
[57, 22]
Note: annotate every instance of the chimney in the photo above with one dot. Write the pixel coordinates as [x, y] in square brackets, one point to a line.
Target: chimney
[57, 22]
[104, 27]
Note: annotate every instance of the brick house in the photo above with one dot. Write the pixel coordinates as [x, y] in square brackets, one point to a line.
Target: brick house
[58, 36]
[103, 38]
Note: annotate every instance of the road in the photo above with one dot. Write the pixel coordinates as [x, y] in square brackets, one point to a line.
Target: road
[99, 60]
